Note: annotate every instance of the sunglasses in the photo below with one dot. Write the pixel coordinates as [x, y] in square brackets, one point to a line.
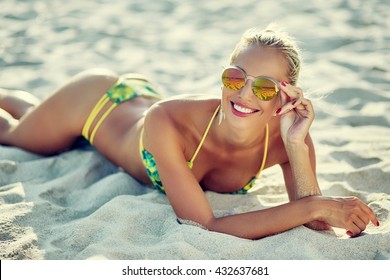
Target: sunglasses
[263, 87]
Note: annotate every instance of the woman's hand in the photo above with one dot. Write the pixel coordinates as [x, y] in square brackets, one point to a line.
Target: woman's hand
[349, 213]
[296, 114]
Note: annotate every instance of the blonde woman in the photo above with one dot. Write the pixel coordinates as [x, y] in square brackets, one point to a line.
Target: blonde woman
[186, 145]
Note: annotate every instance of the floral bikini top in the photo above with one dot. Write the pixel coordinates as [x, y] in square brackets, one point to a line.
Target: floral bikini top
[151, 168]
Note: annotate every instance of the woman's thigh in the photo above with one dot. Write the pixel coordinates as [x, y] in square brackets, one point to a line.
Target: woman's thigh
[54, 124]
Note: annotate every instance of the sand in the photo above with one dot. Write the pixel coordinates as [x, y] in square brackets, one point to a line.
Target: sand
[77, 205]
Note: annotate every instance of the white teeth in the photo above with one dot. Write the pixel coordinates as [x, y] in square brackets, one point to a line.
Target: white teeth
[243, 109]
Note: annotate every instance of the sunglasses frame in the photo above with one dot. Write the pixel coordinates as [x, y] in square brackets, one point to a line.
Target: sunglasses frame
[253, 79]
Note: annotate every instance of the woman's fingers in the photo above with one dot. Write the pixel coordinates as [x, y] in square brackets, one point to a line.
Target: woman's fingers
[367, 213]
[357, 226]
[371, 215]
[349, 213]
[302, 106]
[361, 217]
[285, 97]
[292, 99]
[291, 91]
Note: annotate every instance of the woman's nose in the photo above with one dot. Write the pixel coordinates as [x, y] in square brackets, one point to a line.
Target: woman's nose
[246, 91]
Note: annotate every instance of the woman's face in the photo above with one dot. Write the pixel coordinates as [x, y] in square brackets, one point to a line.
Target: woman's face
[242, 106]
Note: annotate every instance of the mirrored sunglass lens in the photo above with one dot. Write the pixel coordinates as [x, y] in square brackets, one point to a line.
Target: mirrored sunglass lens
[233, 79]
[265, 89]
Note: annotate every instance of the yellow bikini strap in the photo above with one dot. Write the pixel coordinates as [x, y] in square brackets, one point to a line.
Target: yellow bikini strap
[191, 162]
[92, 116]
[105, 115]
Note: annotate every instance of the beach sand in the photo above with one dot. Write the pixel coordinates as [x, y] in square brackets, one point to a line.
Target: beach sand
[77, 205]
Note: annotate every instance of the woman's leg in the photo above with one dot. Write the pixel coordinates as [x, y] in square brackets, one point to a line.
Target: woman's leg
[54, 124]
[17, 102]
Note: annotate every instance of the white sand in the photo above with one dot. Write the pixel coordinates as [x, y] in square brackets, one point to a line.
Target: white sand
[77, 205]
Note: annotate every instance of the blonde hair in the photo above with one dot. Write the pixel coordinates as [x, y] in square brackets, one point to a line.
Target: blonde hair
[272, 36]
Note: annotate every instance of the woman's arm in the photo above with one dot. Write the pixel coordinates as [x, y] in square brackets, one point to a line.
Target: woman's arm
[187, 198]
[189, 202]
[297, 116]
[297, 189]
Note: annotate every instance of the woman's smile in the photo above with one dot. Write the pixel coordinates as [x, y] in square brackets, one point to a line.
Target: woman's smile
[241, 110]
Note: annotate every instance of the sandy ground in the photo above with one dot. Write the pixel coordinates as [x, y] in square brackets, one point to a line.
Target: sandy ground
[77, 205]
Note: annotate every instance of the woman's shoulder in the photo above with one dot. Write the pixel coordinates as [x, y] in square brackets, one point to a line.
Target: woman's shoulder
[188, 106]
[183, 116]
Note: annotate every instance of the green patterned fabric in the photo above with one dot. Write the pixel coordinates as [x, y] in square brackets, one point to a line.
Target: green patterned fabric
[154, 176]
[127, 88]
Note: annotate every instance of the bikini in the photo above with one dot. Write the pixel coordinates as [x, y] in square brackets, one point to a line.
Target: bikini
[127, 88]
[151, 168]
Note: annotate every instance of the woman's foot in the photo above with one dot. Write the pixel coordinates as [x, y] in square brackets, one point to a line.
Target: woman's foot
[17, 102]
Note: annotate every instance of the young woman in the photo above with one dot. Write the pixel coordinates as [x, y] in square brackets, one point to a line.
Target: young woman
[188, 144]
